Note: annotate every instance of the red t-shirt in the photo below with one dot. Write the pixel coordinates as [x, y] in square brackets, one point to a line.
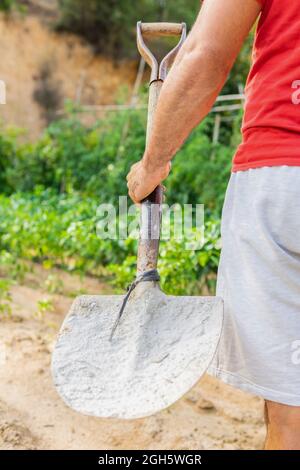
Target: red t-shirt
[271, 125]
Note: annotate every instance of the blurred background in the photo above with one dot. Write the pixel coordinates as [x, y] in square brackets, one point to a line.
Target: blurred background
[73, 123]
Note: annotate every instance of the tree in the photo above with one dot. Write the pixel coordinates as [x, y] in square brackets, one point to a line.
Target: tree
[110, 25]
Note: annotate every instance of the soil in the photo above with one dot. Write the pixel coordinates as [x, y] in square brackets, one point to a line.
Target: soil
[32, 416]
[29, 46]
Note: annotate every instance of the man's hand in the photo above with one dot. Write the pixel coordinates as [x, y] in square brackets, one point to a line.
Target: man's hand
[142, 179]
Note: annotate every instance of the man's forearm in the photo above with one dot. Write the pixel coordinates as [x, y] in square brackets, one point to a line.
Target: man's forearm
[198, 74]
[193, 83]
[187, 96]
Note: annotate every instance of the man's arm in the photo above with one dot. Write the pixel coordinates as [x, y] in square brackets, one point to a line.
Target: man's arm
[192, 86]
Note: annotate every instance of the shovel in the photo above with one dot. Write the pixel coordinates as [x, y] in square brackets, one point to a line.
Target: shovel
[134, 355]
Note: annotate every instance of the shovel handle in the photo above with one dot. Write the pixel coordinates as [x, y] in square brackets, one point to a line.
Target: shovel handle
[151, 30]
[151, 206]
[161, 29]
[151, 209]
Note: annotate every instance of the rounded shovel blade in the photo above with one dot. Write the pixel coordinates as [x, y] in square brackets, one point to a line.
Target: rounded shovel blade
[160, 349]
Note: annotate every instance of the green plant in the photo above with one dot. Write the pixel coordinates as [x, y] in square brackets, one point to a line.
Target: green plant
[44, 306]
[12, 267]
[183, 271]
[8, 154]
[200, 172]
[60, 230]
[5, 297]
[71, 157]
[56, 230]
[7, 5]
[54, 285]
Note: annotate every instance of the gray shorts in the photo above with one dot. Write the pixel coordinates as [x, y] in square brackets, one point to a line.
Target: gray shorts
[259, 280]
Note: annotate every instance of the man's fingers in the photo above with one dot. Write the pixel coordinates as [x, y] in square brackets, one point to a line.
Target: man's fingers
[131, 170]
[133, 198]
[132, 188]
[140, 183]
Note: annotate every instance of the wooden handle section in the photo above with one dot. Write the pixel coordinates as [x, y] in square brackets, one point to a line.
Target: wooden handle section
[161, 29]
[151, 206]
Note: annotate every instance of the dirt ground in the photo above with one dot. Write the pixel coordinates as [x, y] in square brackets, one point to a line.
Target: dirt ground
[32, 416]
[74, 72]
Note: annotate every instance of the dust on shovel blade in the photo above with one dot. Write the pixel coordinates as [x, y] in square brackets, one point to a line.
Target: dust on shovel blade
[161, 348]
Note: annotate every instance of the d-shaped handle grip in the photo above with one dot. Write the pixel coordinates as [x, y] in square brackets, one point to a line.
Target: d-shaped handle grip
[162, 29]
[151, 30]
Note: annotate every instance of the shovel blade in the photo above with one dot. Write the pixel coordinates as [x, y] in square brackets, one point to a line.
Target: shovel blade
[161, 348]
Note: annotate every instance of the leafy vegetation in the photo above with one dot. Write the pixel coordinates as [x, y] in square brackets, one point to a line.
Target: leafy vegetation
[51, 190]
[7, 5]
[70, 157]
[61, 230]
[55, 230]
[183, 271]
[5, 297]
[44, 306]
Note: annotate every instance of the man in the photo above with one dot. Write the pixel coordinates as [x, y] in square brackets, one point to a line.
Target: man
[259, 272]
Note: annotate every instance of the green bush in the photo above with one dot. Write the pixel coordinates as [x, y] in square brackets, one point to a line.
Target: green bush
[5, 298]
[56, 230]
[93, 161]
[200, 172]
[70, 156]
[182, 270]
[8, 156]
[7, 5]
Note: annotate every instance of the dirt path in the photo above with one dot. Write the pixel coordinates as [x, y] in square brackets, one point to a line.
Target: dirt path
[32, 416]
